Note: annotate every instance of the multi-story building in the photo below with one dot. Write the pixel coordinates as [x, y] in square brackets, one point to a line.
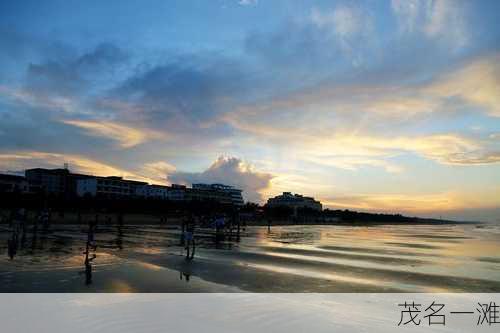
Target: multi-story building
[294, 201]
[63, 182]
[13, 183]
[110, 187]
[53, 181]
[153, 191]
[177, 192]
[217, 192]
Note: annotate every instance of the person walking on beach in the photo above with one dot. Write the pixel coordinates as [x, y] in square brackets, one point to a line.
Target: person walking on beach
[189, 238]
[12, 244]
[219, 224]
[90, 245]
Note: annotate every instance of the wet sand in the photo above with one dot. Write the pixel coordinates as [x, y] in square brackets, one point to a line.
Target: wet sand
[148, 258]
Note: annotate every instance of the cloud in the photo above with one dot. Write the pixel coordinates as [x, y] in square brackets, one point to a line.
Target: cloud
[125, 135]
[73, 75]
[325, 43]
[443, 20]
[348, 125]
[158, 171]
[349, 25]
[317, 92]
[189, 89]
[64, 82]
[433, 203]
[407, 13]
[477, 82]
[446, 20]
[248, 2]
[229, 171]
[354, 163]
[21, 160]
[352, 151]
[104, 54]
[51, 103]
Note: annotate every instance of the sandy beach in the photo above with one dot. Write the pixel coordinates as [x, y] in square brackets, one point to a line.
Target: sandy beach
[148, 258]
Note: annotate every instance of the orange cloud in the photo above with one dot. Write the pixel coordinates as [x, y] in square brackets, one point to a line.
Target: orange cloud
[30, 159]
[126, 136]
[416, 204]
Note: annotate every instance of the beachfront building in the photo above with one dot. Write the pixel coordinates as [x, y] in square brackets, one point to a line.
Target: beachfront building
[217, 192]
[177, 192]
[13, 184]
[294, 201]
[53, 181]
[64, 182]
[47, 180]
[109, 187]
[153, 191]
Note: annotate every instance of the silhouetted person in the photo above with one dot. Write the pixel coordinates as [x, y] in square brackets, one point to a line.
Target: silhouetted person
[119, 237]
[88, 269]
[18, 222]
[219, 229]
[88, 259]
[12, 244]
[189, 239]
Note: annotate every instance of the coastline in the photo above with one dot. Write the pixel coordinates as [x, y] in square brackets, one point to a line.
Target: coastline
[148, 219]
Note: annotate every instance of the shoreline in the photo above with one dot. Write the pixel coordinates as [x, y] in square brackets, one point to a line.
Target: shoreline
[156, 219]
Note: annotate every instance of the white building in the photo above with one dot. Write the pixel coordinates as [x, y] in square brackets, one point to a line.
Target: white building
[107, 186]
[153, 191]
[117, 187]
[220, 192]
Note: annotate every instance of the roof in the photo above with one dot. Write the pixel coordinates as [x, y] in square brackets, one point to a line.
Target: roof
[12, 177]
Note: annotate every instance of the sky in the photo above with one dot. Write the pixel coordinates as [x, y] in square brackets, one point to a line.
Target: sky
[381, 106]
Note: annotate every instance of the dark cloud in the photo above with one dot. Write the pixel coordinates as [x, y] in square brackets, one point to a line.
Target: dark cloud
[33, 128]
[104, 54]
[318, 45]
[54, 77]
[72, 75]
[230, 171]
[189, 87]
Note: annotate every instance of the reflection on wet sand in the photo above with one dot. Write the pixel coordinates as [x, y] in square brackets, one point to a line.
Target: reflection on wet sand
[128, 258]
